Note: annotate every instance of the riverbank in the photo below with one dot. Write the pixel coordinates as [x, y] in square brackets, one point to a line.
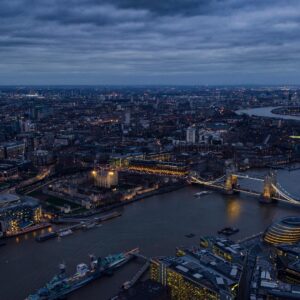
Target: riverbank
[159, 191]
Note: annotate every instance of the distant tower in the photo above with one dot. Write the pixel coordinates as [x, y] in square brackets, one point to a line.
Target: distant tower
[231, 181]
[127, 118]
[191, 135]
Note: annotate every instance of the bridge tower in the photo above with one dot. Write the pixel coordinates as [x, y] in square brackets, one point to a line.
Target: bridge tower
[268, 189]
[231, 182]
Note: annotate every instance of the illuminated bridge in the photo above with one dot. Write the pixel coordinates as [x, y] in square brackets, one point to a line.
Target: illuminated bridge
[228, 183]
[159, 168]
[272, 190]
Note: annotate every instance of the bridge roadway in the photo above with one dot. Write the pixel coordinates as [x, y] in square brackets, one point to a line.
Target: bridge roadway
[281, 196]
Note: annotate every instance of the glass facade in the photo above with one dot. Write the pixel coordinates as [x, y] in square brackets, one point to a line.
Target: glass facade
[18, 216]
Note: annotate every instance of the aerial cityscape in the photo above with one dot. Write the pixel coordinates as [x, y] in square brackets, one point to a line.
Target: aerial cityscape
[149, 150]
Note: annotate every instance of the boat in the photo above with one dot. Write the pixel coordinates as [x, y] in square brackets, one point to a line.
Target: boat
[46, 236]
[109, 216]
[126, 285]
[65, 232]
[202, 193]
[89, 226]
[228, 231]
[60, 285]
[190, 235]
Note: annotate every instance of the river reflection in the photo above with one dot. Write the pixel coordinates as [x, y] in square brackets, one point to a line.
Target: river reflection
[233, 206]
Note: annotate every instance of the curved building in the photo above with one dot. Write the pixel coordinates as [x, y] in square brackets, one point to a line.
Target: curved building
[284, 231]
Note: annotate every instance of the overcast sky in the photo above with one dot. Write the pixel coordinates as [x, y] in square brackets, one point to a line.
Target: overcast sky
[149, 41]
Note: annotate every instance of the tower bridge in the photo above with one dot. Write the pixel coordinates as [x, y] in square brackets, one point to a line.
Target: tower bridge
[229, 184]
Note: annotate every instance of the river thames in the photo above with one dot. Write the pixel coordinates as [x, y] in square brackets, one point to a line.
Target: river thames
[266, 112]
[157, 225]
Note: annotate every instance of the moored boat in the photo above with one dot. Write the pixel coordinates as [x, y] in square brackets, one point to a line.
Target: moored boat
[228, 231]
[61, 285]
[202, 193]
[65, 232]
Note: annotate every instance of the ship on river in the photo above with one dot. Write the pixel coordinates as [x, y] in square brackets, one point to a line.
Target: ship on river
[61, 285]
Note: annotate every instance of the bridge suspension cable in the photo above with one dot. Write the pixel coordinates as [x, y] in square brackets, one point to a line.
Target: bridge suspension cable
[283, 195]
[286, 192]
[202, 181]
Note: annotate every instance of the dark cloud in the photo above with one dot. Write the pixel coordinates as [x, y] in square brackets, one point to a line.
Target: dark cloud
[117, 41]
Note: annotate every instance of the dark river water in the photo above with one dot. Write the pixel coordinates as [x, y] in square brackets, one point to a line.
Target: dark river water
[157, 225]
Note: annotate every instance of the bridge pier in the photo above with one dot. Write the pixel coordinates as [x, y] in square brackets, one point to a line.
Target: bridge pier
[231, 183]
[272, 191]
[269, 192]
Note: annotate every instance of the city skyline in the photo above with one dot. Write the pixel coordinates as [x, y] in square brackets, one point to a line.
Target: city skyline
[127, 175]
[147, 43]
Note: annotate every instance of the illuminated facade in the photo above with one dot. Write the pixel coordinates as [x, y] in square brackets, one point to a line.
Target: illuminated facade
[231, 182]
[197, 274]
[105, 178]
[284, 231]
[18, 213]
[287, 259]
[180, 287]
[222, 247]
[268, 191]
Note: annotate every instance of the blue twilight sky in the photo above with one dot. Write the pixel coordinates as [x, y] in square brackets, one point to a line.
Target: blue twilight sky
[149, 41]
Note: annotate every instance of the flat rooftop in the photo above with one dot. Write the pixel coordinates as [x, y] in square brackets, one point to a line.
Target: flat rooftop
[6, 199]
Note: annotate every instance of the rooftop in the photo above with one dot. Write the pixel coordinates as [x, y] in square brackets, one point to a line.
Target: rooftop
[205, 268]
[6, 199]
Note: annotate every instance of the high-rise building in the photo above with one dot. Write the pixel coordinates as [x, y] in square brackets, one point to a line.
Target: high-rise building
[191, 135]
[12, 150]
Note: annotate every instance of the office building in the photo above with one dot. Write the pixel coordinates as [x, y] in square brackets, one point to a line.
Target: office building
[12, 150]
[284, 231]
[191, 135]
[197, 273]
[18, 213]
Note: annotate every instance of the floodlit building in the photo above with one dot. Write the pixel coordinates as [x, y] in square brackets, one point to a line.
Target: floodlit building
[197, 273]
[105, 177]
[17, 213]
[284, 231]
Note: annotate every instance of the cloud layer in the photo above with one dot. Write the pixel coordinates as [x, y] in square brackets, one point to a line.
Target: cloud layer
[142, 41]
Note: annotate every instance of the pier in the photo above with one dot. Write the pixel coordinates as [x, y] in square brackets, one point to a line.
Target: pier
[101, 218]
[128, 284]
